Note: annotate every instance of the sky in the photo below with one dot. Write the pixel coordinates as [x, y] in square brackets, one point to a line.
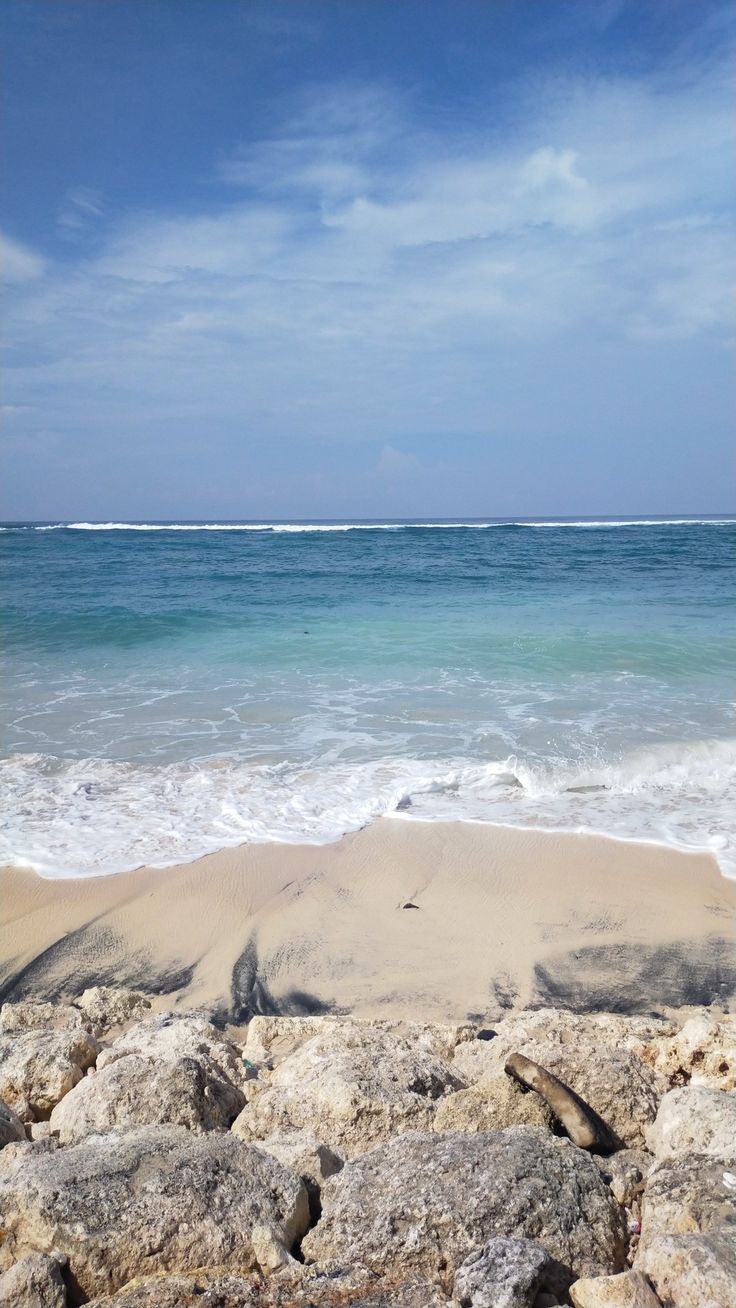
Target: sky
[366, 258]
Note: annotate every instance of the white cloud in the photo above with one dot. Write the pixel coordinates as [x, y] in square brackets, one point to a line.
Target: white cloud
[17, 262]
[82, 205]
[365, 281]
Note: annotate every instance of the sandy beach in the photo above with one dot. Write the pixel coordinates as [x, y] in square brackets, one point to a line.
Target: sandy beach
[404, 918]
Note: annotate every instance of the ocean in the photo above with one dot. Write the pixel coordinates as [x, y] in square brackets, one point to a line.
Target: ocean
[171, 689]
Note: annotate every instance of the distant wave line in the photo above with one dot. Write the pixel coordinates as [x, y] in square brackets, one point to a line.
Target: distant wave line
[296, 528]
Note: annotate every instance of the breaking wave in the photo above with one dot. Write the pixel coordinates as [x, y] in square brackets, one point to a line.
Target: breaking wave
[298, 527]
[84, 818]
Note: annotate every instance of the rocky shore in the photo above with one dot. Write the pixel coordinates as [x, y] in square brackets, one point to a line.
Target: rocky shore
[161, 1161]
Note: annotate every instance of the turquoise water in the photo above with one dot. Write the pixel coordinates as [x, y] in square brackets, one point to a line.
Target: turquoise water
[170, 689]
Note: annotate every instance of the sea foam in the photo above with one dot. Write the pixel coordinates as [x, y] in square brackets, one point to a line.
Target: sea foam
[74, 818]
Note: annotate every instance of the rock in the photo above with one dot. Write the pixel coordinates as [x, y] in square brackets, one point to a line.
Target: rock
[627, 1290]
[39, 1131]
[505, 1273]
[39, 1016]
[271, 1039]
[583, 1126]
[295, 1287]
[11, 1127]
[38, 1067]
[694, 1271]
[153, 1200]
[489, 1106]
[170, 1036]
[353, 1085]
[702, 1052]
[422, 1202]
[596, 1056]
[34, 1282]
[694, 1120]
[626, 1173]
[553, 1029]
[686, 1195]
[138, 1091]
[304, 1154]
[104, 1008]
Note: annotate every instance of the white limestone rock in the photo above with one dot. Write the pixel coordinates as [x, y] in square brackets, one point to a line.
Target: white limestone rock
[353, 1085]
[39, 1066]
[694, 1120]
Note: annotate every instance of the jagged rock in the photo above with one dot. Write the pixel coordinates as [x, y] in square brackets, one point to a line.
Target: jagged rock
[626, 1173]
[352, 1085]
[423, 1201]
[39, 1130]
[685, 1195]
[489, 1106]
[39, 1016]
[294, 1287]
[694, 1120]
[581, 1123]
[169, 1036]
[626, 1290]
[138, 1091]
[594, 1055]
[39, 1067]
[702, 1052]
[103, 1008]
[152, 1200]
[271, 1039]
[304, 1154]
[694, 1271]
[553, 1028]
[505, 1273]
[34, 1282]
[11, 1127]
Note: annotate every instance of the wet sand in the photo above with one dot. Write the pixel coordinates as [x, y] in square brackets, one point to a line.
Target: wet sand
[404, 918]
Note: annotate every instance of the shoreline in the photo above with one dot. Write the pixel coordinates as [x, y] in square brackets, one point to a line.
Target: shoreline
[395, 815]
[402, 918]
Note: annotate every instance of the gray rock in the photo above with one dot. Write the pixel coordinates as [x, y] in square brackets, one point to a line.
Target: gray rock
[626, 1173]
[294, 1287]
[11, 1127]
[421, 1203]
[694, 1271]
[694, 1120]
[685, 1195]
[304, 1154]
[505, 1273]
[582, 1124]
[626, 1290]
[34, 1282]
[353, 1085]
[139, 1091]
[153, 1200]
[39, 1067]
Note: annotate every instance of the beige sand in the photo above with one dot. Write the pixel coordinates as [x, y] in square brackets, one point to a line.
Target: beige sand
[502, 917]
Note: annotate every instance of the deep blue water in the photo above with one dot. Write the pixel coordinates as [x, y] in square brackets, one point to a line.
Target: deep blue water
[169, 690]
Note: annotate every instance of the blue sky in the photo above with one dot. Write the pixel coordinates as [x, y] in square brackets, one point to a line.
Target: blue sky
[367, 258]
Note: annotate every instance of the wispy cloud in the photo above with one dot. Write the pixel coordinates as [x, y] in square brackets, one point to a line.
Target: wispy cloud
[81, 206]
[18, 263]
[363, 277]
